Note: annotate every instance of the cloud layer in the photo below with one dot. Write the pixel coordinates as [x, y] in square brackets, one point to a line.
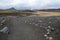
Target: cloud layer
[29, 4]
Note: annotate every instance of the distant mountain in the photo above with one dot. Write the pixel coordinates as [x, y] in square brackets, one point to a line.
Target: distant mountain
[11, 8]
[55, 10]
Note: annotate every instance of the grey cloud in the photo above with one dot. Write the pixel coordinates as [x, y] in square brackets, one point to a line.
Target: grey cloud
[36, 4]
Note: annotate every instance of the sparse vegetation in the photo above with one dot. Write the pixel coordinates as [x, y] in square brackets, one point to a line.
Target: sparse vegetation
[38, 13]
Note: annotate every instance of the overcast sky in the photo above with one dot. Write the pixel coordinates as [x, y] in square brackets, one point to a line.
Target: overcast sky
[29, 4]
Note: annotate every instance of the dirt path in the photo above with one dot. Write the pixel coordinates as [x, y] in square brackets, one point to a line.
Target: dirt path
[31, 28]
[23, 31]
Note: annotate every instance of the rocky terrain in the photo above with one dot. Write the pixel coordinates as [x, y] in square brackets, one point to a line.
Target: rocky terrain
[33, 27]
